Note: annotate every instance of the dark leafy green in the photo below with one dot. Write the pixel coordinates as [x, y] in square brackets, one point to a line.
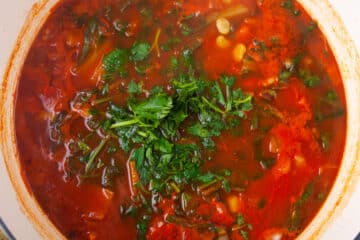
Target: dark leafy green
[115, 62]
[296, 216]
[289, 5]
[310, 80]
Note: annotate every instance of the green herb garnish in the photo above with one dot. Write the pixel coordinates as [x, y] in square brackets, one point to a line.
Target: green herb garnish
[139, 51]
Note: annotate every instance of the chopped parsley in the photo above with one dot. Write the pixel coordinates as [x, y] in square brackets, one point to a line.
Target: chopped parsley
[139, 51]
[115, 62]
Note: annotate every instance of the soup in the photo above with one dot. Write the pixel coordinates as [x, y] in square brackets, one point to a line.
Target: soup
[156, 119]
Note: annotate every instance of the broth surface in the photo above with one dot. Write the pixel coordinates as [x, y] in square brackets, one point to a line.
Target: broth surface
[159, 119]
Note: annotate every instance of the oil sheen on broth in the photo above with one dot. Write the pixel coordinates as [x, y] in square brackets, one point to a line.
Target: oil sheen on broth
[172, 119]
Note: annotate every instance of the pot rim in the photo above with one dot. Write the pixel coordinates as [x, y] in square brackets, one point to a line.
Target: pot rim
[348, 61]
[39, 12]
[346, 56]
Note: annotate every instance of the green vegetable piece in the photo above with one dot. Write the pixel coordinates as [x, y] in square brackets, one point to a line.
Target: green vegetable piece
[164, 146]
[226, 185]
[90, 163]
[154, 108]
[311, 27]
[206, 178]
[187, 55]
[208, 143]
[83, 146]
[228, 80]
[309, 190]
[90, 33]
[139, 51]
[285, 75]
[312, 81]
[244, 234]
[134, 88]
[142, 227]
[199, 130]
[289, 5]
[174, 63]
[217, 93]
[105, 89]
[138, 155]
[111, 149]
[186, 30]
[309, 79]
[240, 219]
[115, 60]
[331, 95]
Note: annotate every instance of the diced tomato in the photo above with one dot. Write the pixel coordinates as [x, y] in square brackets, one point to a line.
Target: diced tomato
[244, 34]
[236, 235]
[221, 215]
[170, 231]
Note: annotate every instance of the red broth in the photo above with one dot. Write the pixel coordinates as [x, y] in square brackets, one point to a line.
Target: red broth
[266, 157]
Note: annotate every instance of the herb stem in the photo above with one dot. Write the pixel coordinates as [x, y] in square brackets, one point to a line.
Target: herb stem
[205, 185]
[238, 102]
[228, 99]
[212, 106]
[102, 100]
[93, 154]
[124, 123]
[141, 133]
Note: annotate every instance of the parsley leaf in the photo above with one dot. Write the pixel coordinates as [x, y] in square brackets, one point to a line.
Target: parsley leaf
[115, 61]
[162, 162]
[154, 108]
[134, 88]
[199, 130]
[139, 51]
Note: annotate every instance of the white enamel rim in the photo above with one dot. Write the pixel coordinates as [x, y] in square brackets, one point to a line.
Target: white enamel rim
[349, 64]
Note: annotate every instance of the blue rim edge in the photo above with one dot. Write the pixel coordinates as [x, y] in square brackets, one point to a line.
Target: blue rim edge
[6, 231]
[357, 237]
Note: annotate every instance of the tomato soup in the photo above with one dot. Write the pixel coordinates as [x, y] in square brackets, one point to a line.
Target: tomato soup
[172, 119]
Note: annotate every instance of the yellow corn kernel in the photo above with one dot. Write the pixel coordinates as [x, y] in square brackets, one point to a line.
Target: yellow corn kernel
[223, 25]
[222, 42]
[233, 203]
[239, 52]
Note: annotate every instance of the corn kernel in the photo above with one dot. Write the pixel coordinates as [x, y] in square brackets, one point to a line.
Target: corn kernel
[233, 203]
[222, 42]
[239, 52]
[227, 1]
[223, 25]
